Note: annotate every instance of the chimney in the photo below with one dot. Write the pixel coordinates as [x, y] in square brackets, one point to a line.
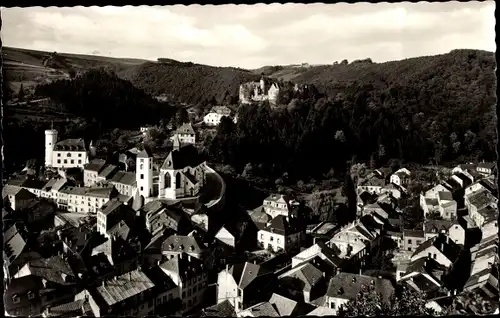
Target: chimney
[189, 258]
[158, 262]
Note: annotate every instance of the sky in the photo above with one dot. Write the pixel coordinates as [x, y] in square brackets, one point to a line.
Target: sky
[257, 35]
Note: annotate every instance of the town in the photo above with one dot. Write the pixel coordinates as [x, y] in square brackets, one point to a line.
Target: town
[132, 237]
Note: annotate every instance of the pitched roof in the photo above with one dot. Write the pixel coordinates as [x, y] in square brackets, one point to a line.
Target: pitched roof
[121, 229]
[181, 158]
[14, 244]
[145, 153]
[111, 206]
[263, 309]
[222, 110]
[436, 226]
[245, 273]
[55, 184]
[95, 165]
[73, 307]
[123, 177]
[487, 165]
[306, 273]
[223, 309]
[322, 311]
[445, 196]
[184, 267]
[320, 248]
[284, 306]
[186, 128]
[70, 145]
[124, 287]
[283, 225]
[450, 249]
[414, 233]
[21, 286]
[347, 286]
[183, 243]
[107, 171]
[53, 269]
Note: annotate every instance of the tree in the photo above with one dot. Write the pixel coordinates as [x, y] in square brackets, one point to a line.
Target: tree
[340, 136]
[181, 117]
[72, 73]
[20, 95]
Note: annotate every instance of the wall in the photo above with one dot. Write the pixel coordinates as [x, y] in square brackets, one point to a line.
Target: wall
[73, 159]
[440, 258]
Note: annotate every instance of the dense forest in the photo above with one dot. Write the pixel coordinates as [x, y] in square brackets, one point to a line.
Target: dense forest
[438, 115]
[190, 83]
[100, 95]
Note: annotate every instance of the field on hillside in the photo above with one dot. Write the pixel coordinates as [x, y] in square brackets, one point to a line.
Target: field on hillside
[27, 66]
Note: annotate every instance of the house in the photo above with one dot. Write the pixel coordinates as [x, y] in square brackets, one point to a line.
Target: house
[412, 239]
[23, 298]
[322, 232]
[278, 204]
[189, 275]
[262, 309]
[282, 234]
[185, 134]
[190, 245]
[447, 206]
[91, 171]
[303, 283]
[111, 213]
[120, 254]
[393, 190]
[228, 235]
[373, 183]
[85, 199]
[424, 275]
[244, 284]
[401, 177]
[321, 256]
[68, 153]
[58, 279]
[482, 207]
[429, 200]
[215, 115]
[127, 294]
[18, 198]
[14, 244]
[486, 168]
[168, 299]
[80, 307]
[222, 309]
[345, 287]
[124, 182]
[453, 229]
[440, 248]
[182, 173]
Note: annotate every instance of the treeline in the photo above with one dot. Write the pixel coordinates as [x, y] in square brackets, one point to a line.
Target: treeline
[190, 84]
[408, 122]
[102, 96]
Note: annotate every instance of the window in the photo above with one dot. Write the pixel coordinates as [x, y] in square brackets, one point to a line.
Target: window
[79, 162]
[142, 160]
[240, 305]
[271, 238]
[79, 155]
[142, 188]
[429, 255]
[58, 154]
[409, 241]
[239, 292]
[189, 292]
[68, 155]
[15, 299]
[409, 249]
[142, 176]
[65, 161]
[262, 236]
[332, 305]
[278, 240]
[58, 160]
[419, 242]
[434, 256]
[72, 161]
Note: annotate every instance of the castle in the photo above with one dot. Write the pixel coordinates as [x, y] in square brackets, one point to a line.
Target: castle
[68, 153]
[259, 92]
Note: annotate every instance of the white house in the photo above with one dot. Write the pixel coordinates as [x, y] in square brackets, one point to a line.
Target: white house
[441, 248]
[68, 153]
[278, 204]
[215, 115]
[453, 229]
[401, 177]
[281, 234]
[185, 134]
[429, 201]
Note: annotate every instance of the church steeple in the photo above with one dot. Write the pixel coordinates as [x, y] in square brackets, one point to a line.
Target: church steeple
[177, 143]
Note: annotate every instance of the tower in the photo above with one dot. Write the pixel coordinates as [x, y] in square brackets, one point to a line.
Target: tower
[92, 149]
[177, 143]
[262, 85]
[50, 141]
[144, 173]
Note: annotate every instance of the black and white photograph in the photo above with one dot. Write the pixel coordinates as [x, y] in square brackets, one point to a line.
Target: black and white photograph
[250, 160]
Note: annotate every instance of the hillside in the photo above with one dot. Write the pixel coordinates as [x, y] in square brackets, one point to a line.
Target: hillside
[190, 83]
[32, 67]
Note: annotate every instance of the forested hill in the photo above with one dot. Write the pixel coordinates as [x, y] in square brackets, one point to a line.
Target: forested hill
[188, 82]
[103, 96]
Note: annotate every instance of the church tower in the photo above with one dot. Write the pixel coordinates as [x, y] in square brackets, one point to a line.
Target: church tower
[144, 173]
[50, 141]
[262, 85]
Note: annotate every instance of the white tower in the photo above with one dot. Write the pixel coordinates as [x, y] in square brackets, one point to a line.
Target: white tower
[144, 173]
[50, 141]
[262, 85]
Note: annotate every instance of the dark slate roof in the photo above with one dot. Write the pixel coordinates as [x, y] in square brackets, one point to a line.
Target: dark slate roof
[449, 248]
[145, 153]
[95, 165]
[246, 273]
[21, 286]
[184, 267]
[52, 269]
[263, 309]
[186, 156]
[306, 273]
[436, 226]
[110, 206]
[445, 196]
[186, 128]
[347, 286]
[280, 225]
[107, 171]
[74, 307]
[161, 280]
[487, 165]
[414, 233]
[14, 244]
[70, 145]
[223, 309]
[182, 243]
[127, 178]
